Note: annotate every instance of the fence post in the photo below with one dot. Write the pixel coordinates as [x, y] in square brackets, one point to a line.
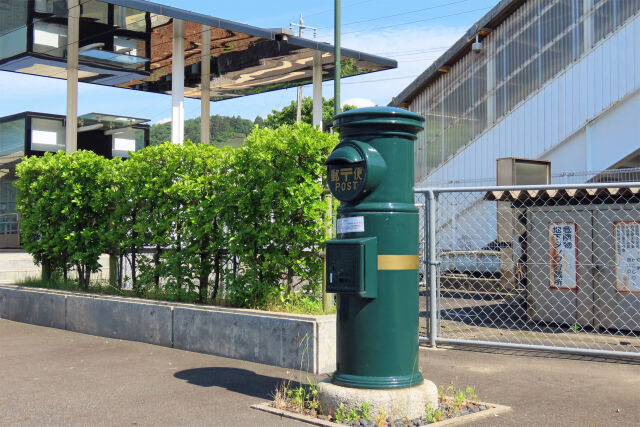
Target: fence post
[433, 263]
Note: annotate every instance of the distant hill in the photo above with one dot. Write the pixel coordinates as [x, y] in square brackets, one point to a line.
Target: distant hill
[225, 131]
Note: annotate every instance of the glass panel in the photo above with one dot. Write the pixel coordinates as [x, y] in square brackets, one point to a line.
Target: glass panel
[50, 39]
[54, 7]
[13, 30]
[13, 42]
[11, 139]
[603, 18]
[12, 135]
[140, 139]
[130, 19]
[126, 141]
[47, 135]
[8, 194]
[123, 60]
[108, 121]
[95, 10]
[626, 9]
[129, 46]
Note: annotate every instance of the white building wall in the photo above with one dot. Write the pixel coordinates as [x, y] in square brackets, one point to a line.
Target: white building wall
[585, 119]
[599, 89]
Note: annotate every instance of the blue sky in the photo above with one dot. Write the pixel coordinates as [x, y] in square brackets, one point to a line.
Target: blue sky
[413, 32]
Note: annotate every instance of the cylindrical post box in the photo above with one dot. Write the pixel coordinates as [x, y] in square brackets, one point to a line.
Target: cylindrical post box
[373, 263]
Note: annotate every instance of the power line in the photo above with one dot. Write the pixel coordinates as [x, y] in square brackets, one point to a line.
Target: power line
[331, 10]
[400, 14]
[380, 80]
[412, 51]
[432, 58]
[418, 21]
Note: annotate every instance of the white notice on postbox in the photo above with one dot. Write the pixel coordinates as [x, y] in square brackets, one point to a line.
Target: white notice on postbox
[353, 224]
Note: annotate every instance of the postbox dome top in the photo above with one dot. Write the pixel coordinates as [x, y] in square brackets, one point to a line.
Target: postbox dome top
[371, 116]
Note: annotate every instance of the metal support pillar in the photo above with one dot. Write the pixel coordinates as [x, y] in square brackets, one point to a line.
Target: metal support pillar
[589, 148]
[430, 226]
[327, 299]
[205, 90]
[299, 104]
[317, 89]
[73, 22]
[177, 83]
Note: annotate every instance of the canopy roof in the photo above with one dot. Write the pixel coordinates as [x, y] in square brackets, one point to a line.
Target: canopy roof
[128, 44]
[109, 121]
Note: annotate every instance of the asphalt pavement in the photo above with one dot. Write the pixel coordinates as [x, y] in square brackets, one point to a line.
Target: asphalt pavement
[55, 377]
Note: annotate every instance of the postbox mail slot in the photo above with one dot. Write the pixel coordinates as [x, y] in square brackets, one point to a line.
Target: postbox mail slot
[352, 266]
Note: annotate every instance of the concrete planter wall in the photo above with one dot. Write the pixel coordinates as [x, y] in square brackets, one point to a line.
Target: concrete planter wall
[285, 340]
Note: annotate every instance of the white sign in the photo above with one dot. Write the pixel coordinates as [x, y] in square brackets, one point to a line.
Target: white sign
[124, 144]
[627, 241]
[44, 137]
[46, 38]
[563, 251]
[351, 225]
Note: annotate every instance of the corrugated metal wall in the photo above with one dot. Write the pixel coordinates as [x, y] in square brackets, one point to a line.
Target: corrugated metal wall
[519, 59]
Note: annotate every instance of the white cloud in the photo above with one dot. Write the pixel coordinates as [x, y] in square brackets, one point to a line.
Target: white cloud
[359, 102]
[414, 48]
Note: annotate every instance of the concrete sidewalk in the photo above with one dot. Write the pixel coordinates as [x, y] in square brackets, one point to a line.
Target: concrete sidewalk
[51, 376]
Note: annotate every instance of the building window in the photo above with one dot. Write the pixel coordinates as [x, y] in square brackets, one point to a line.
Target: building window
[49, 38]
[47, 135]
[11, 140]
[13, 28]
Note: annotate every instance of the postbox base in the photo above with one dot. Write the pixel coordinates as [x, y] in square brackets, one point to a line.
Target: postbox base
[366, 382]
[409, 402]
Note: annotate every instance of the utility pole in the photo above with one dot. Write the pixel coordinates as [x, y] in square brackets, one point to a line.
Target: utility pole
[337, 56]
[301, 28]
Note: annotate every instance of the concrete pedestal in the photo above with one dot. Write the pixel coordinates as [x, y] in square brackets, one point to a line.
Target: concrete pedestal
[396, 403]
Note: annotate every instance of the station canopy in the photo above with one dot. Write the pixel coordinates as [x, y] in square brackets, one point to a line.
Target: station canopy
[129, 43]
[108, 121]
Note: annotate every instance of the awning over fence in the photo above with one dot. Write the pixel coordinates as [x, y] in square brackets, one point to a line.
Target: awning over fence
[572, 196]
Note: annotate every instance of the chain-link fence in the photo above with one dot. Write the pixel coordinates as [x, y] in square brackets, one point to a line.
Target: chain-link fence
[546, 267]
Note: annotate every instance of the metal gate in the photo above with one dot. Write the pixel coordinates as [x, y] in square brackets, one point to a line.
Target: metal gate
[533, 267]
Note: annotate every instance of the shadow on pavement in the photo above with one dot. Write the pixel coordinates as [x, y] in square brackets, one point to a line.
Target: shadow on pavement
[233, 379]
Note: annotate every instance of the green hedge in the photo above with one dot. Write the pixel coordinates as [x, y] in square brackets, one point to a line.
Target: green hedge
[241, 224]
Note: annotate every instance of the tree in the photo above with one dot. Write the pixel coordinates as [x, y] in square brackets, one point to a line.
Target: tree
[287, 116]
[259, 121]
[224, 130]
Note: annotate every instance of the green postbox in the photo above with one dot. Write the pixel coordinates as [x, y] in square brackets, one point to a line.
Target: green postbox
[372, 266]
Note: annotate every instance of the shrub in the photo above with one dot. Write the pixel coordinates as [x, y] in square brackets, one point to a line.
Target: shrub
[67, 203]
[274, 212]
[193, 207]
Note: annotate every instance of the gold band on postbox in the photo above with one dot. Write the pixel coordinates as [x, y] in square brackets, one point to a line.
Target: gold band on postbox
[398, 262]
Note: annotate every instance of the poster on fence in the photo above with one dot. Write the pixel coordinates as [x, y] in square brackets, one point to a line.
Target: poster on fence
[627, 243]
[563, 251]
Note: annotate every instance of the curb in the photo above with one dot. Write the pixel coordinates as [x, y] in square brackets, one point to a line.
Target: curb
[494, 411]
[279, 339]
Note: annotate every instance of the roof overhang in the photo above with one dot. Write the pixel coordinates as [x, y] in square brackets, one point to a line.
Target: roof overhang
[244, 59]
